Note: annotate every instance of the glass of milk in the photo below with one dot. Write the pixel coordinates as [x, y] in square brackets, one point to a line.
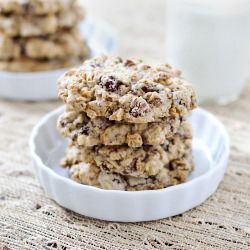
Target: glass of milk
[209, 40]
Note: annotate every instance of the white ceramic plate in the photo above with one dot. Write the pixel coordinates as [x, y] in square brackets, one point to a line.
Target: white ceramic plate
[210, 149]
[41, 86]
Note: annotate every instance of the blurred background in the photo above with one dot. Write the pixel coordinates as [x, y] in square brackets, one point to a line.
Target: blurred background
[140, 25]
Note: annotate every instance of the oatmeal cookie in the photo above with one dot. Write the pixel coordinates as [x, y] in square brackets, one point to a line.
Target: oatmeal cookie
[58, 45]
[100, 130]
[26, 26]
[25, 64]
[174, 173]
[128, 90]
[35, 7]
[138, 162]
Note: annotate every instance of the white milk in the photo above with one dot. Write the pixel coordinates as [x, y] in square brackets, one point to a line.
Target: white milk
[209, 41]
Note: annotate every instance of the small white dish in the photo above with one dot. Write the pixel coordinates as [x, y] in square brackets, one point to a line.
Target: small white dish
[210, 149]
[41, 86]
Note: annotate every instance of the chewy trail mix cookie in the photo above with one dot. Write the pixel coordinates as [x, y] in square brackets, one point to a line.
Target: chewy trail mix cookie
[126, 90]
[25, 64]
[59, 45]
[28, 25]
[176, 172]
[34, 7]
[100, 130]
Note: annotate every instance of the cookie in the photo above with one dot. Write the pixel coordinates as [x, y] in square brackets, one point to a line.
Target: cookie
[138, 162]
[176, 172]
[34, 7]
[58, 45]
[25, 26]
[128, 90]
[32, 65]
[100, 130]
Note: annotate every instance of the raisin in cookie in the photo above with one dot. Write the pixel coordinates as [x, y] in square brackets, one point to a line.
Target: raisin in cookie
[58, 45]
[100, 130]
[174, 173]
[35, 7]
[128, 90]
[25, 26]
[138, 162]
[25, 64]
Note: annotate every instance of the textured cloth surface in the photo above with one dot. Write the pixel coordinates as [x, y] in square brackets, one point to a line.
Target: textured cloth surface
[30, 220]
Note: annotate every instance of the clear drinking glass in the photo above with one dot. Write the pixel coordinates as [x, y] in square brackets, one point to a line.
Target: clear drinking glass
[209, 40]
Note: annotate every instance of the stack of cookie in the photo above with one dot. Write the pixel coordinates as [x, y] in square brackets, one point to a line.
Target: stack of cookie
[38, 35]
[127, 124]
